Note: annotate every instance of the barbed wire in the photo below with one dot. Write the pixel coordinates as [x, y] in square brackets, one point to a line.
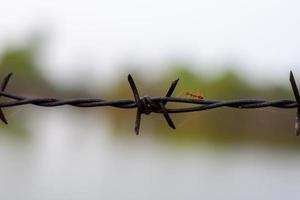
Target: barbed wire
[149, 104]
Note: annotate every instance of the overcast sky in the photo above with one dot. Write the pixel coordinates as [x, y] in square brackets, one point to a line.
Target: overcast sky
[97, 37]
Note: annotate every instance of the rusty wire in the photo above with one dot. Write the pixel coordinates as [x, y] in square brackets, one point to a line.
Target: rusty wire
[148, 104]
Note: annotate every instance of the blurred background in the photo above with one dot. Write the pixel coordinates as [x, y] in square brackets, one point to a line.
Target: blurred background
[222, 49]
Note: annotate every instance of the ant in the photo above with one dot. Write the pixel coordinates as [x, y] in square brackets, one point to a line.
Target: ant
[196, 95]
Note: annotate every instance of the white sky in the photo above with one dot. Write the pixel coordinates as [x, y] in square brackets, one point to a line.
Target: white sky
[97, 37]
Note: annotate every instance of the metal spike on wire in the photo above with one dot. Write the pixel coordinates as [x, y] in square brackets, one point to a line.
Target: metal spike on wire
[149, 104]
[297, 97]
[2, 87]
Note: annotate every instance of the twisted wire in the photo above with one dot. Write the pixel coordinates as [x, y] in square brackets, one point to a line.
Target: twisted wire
[148, 104]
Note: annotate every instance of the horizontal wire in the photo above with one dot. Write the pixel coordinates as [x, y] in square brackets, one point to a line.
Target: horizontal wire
[124, 103]
[148, 104]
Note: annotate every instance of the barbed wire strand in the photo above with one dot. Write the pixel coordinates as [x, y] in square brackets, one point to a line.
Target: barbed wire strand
[147, 104]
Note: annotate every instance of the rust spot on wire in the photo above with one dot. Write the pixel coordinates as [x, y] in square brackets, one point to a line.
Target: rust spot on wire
[148, 104]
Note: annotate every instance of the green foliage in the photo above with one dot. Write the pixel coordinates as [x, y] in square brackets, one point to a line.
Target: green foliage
[20, 60]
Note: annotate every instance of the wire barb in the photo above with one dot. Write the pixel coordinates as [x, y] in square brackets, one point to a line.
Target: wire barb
[297, 97]
[2, 88]
[162, 105]
[145, 105]
[148, 104]
[138, 103]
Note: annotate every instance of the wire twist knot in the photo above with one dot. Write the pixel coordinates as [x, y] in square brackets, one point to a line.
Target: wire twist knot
[145, 105]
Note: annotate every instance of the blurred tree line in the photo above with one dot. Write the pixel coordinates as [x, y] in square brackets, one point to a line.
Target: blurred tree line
[268, 126]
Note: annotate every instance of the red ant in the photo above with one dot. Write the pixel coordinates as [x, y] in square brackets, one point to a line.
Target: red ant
[196, 95]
